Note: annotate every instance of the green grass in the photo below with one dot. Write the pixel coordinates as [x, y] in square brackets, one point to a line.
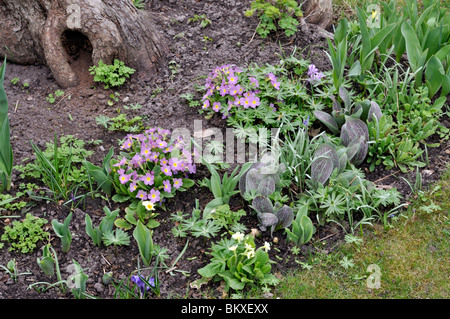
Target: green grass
[413, 257]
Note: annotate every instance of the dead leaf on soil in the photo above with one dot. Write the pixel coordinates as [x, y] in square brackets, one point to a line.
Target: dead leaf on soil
[197, 284]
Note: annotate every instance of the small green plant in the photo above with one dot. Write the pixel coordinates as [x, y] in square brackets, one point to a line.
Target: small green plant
[174, 68]
[274, 14]
[189, 97]
[97, 234]
[121, 123]
[147, 248]
[77, 281]
[11, 269]
[195, 225]
[52, 97]
[112, 75]
[101, 174]
[139, 4]
[222, 188]
[114, 98]
[116, 237]
[302, 228]
[204, 21]
[24, 235]
[63, 232]
[58, 171]
[227, 218]
[16, 80]
[239, 263]
[47, 262]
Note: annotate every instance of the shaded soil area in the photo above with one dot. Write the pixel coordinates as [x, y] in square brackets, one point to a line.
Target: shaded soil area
[33, 118]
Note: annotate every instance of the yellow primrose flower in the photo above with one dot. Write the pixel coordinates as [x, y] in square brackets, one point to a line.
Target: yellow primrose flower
[250, 254]
[233, 248]
[148, 205]
[238, 236]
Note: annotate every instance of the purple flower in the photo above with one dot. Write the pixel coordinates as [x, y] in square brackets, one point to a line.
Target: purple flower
[276, 85]
[314, 74]
[223, 90]
[148, 178]
[174, 163]
[178, 182]
[168, 149]
[306, 122]
[216, 106]
[271, 77]
[123, 161]
[166, 170]
[232, 79]
[206, 104]
[167, 186]
[132, 187]
[154, 196]
[127, 144]
[146, 150]
[254, 81]
[312, 70]
[124, 178]
[141, 284]
[136, 160]
[155, 156]
[234, 90]
[142, 195]
[161, 144]
[164, 161]
[245, 102]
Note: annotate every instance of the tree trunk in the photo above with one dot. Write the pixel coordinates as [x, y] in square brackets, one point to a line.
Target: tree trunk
[319, 12]
[55, 32]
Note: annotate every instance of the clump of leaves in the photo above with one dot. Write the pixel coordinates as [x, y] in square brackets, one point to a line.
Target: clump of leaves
[276, 14]
[239, 263]
[112, 75]
[227, 218]
[59, 167]
[195, 225]
[121, 123]
[23, 235]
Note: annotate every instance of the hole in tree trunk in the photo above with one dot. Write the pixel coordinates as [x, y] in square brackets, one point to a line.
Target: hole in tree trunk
[79, 54]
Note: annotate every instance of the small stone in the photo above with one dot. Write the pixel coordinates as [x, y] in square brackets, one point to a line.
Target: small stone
[99, 287]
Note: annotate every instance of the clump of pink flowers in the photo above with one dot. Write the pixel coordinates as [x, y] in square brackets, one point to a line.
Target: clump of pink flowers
[153, 166]
[228, 86]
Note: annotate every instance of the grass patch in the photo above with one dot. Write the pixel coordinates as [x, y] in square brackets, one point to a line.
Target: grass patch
[412, 256]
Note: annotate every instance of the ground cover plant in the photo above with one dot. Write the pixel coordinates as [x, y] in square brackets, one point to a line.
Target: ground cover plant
[119, 194]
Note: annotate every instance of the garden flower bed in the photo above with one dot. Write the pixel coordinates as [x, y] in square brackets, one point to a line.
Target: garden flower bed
[352, 153]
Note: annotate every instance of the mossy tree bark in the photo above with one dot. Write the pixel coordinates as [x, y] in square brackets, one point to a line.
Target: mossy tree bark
[43, 31]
